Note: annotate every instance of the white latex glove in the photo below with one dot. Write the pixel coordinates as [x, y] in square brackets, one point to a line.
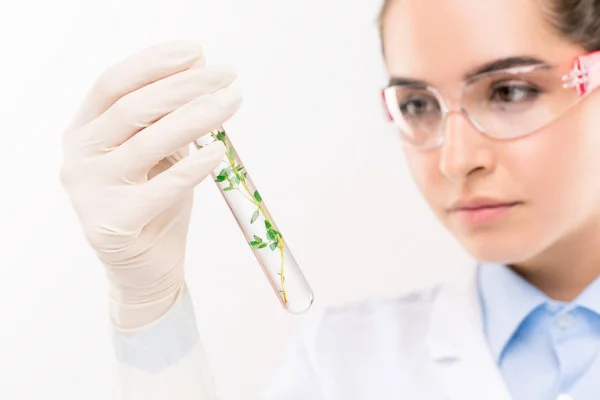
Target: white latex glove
[129, 174]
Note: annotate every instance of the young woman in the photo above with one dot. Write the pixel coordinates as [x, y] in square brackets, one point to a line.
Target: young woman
[497, 106]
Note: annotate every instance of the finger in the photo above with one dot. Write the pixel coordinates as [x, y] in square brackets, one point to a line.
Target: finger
[141, 108]
[179, 128]
[168, 162]
[175, 183]
[140, 69]
[178, 155]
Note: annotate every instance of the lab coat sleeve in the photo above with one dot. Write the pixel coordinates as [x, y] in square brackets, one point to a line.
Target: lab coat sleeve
[167, 361]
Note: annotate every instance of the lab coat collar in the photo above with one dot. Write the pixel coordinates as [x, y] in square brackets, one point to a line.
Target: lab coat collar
[461, 358]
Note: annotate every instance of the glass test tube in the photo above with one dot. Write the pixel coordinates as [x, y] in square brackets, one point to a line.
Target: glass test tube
[259, 228]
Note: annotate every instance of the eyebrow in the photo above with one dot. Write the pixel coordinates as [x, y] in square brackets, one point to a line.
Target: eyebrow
[492, 66]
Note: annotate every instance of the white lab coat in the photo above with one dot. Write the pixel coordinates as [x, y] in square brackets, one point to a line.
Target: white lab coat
[428, 345]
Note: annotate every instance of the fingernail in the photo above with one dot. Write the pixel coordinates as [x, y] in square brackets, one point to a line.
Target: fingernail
[228, 96]
[200, 63]
[212, 149]
[222, 75]
[227, 72]
[185, 51]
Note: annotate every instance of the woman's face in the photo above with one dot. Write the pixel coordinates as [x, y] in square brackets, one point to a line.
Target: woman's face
[553, 174]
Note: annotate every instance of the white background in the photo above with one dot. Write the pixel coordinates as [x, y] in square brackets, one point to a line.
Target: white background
[310, 131]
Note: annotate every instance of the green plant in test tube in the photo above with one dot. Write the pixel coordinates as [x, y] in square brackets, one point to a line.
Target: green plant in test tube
[235, 176]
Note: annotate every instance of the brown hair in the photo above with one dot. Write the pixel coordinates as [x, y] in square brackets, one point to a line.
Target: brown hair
[577, 20]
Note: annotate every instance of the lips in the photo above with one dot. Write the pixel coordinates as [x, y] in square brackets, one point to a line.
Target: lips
[482, 210]
[480, 203]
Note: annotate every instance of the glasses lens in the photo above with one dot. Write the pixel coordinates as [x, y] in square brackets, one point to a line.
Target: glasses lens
[512, 104]
[417, 112]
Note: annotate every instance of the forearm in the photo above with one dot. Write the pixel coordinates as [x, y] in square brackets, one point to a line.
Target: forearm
[165, 360]
[134, 317]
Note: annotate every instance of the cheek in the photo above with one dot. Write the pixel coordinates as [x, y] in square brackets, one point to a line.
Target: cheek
[587, 160]
[424, 168]
[556, 168]
[536, 164]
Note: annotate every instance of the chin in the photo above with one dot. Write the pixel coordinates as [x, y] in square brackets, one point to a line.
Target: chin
[501, 249]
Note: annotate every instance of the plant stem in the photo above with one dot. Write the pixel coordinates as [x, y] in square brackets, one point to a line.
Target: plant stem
[247, 197]
[258, 204]
[280, 245]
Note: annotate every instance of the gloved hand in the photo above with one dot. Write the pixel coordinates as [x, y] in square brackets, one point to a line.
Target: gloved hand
[130, 177]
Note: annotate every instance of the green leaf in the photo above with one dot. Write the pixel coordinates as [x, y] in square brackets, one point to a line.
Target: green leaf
[268, 224]
[262, 246]
[245, 175]
[236, 179]
[270, 234]
[221, 136]
[254, 216]
[253, 243]
[222, 175]
[239, 168]
[273, 246]
[258, 239]
[257, 196]
[228, 188]
[231, 153]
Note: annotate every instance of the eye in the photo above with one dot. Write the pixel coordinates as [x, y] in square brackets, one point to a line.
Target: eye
[415, 106]
[513, 93]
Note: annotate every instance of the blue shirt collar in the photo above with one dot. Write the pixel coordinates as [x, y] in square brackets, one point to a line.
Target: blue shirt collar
[590, 297]
[507, 299]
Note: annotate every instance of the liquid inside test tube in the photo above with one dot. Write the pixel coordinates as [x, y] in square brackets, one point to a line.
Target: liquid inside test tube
[260, 230]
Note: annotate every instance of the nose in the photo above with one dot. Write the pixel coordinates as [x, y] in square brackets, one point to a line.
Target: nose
[465, 151]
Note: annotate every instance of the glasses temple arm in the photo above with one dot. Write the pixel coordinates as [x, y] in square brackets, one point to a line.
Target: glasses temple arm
[585, 75]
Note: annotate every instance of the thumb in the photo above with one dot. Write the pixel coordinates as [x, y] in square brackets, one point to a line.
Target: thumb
[170, 186]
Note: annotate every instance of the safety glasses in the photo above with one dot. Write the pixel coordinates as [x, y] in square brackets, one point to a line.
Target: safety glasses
[503, 104]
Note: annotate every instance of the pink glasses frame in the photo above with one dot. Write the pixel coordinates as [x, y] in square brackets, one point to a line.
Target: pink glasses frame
[584, 77]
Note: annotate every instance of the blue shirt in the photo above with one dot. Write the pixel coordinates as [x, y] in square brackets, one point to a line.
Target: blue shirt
[545, 349]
